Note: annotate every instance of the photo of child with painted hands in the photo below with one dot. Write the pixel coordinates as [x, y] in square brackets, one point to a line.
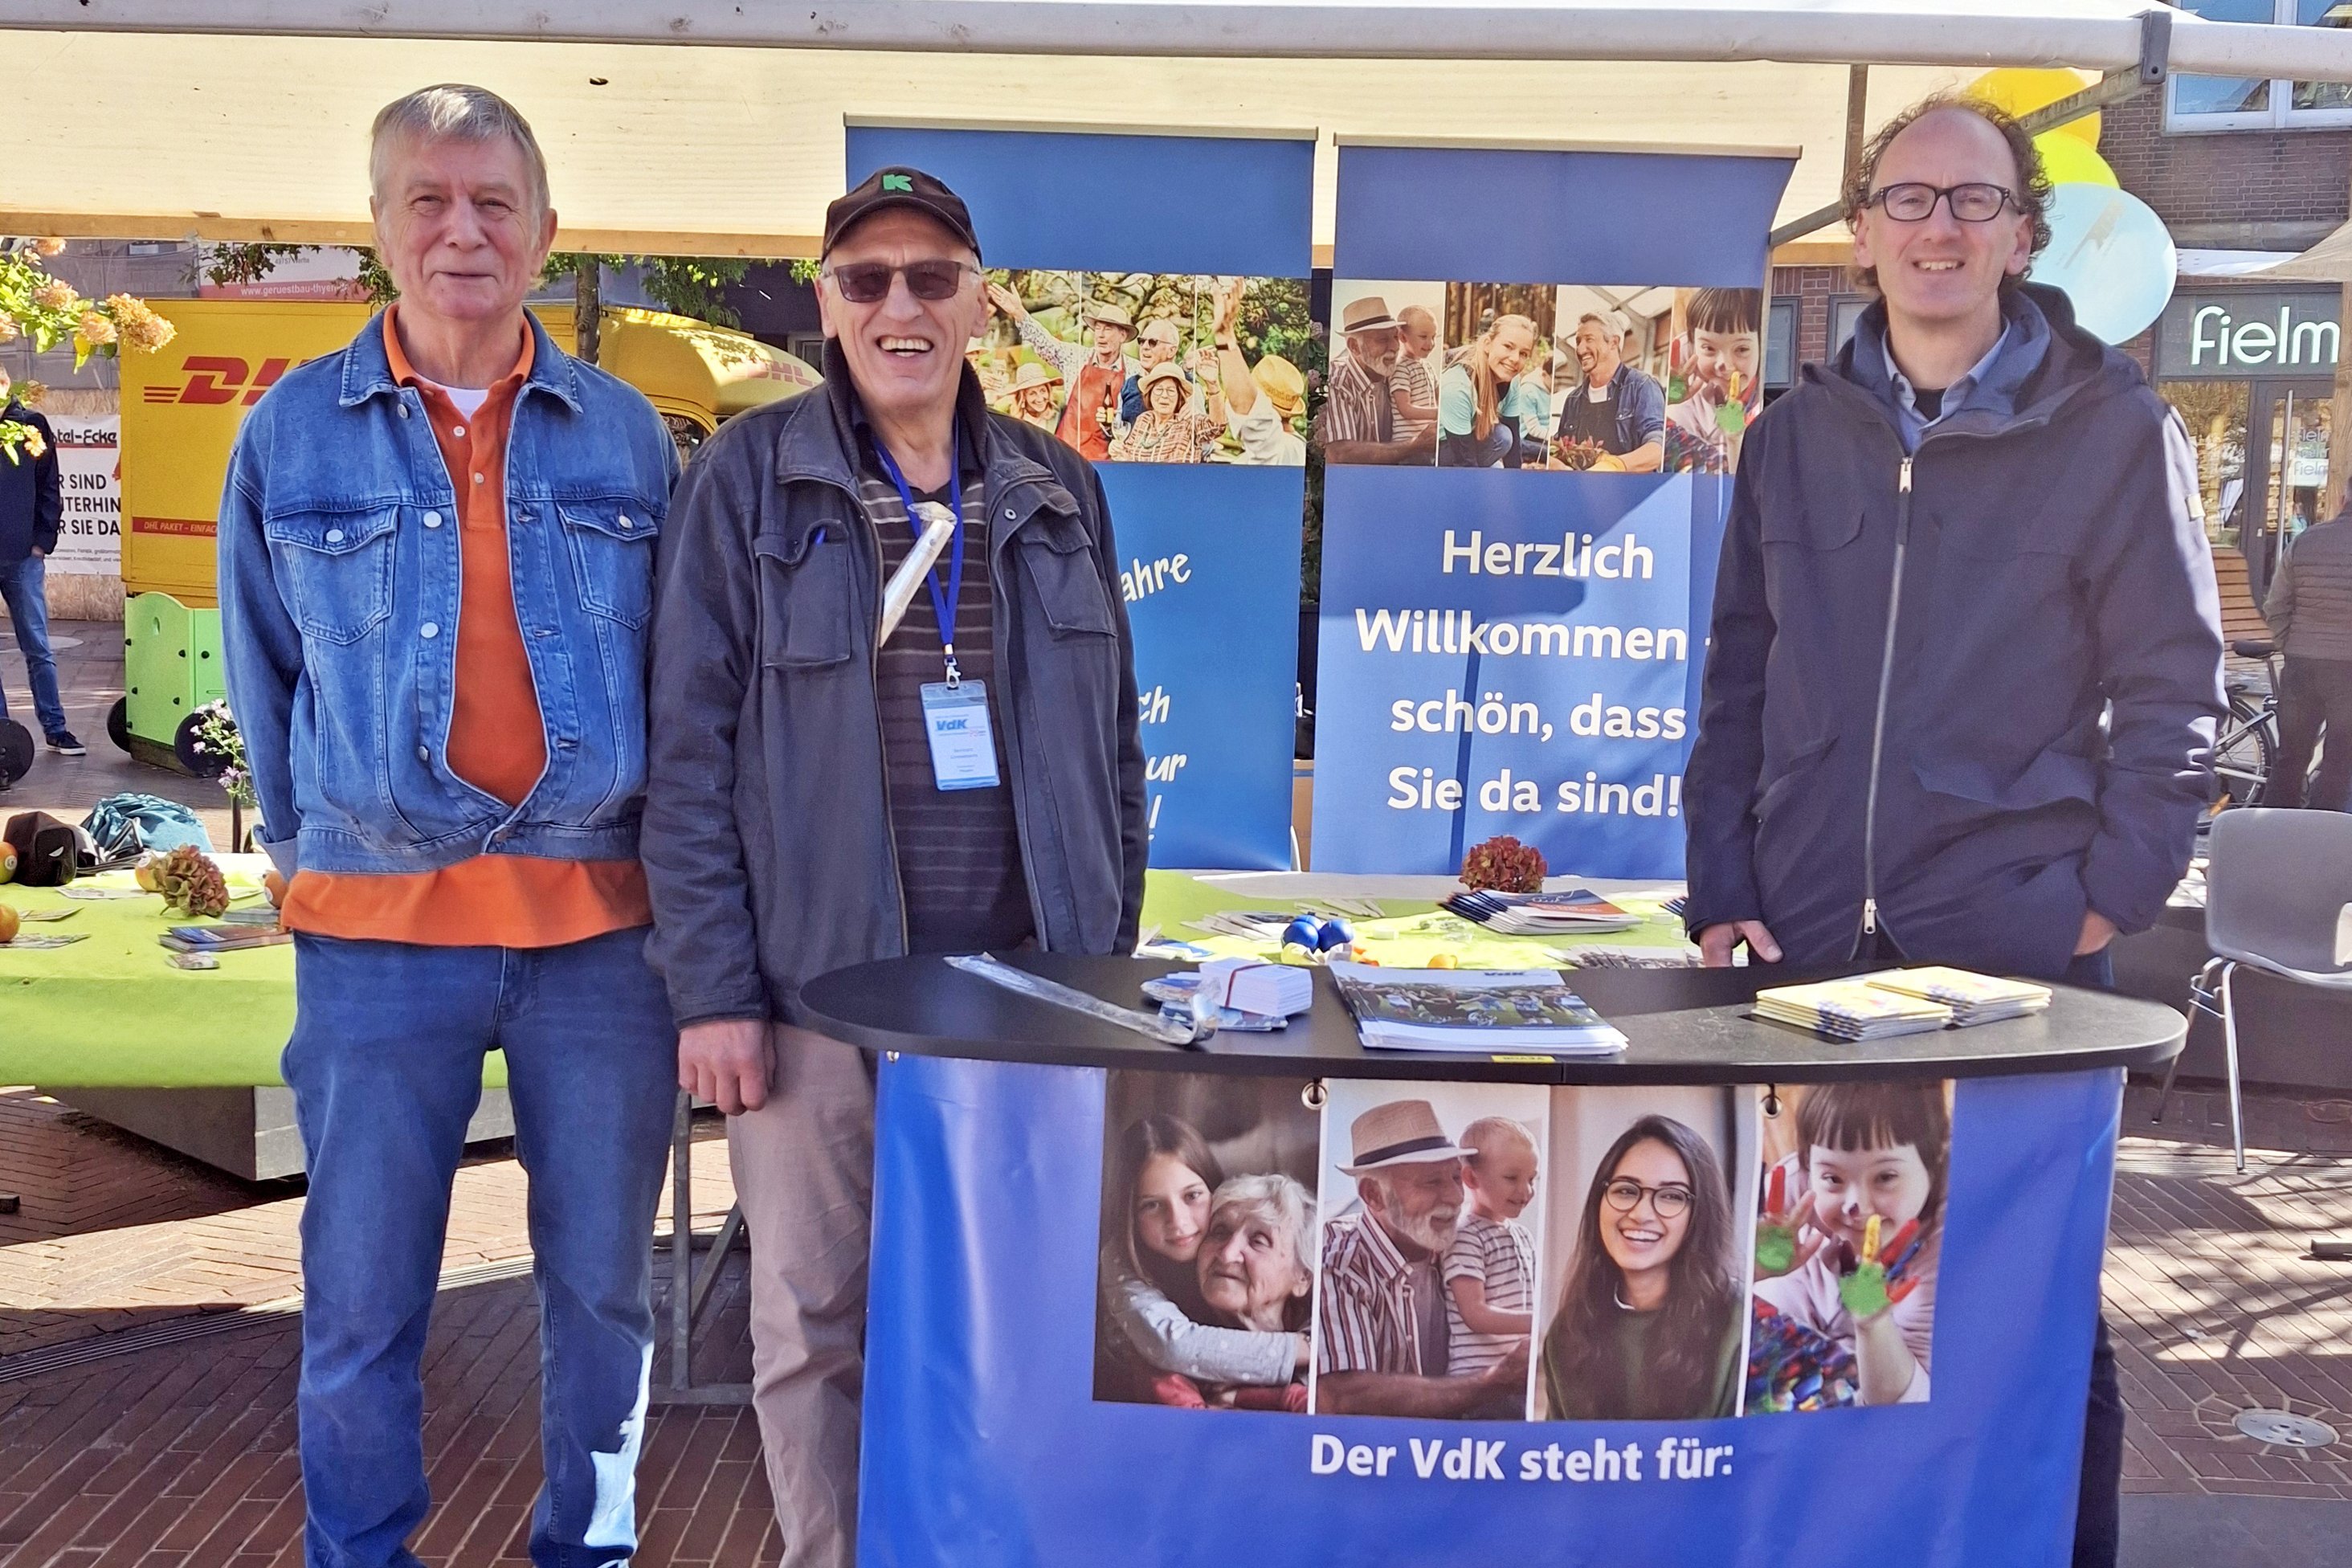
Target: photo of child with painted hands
[1847, 1241]
[1206, 1280]
[1719, 369]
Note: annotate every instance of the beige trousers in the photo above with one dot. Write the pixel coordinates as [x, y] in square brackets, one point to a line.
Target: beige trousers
[803, 1166]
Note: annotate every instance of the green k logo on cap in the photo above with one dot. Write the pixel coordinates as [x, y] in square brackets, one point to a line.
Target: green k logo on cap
[898, 182]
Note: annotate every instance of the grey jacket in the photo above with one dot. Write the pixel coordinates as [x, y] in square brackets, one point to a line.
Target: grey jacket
[767, 837]
[2309, 605]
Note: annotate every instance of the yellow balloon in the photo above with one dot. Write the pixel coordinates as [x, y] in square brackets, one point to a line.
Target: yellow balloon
[2020, 91]
[2068, 162]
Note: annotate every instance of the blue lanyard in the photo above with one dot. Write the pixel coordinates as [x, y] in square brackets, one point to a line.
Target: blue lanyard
[943, 606]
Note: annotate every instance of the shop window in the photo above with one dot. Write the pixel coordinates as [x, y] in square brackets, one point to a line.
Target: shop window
[2232, 103]
[1845, 310]
[1781, 344]
[2215, 415]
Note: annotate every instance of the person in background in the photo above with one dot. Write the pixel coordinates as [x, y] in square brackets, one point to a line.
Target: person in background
[436, 561]
[796, 818]
[2309, 608]
[1617, 421]
[1155, 344]
[1491, 415]
[1094, 373]
[1413, 386]
[1167, 431]
[1965, 667]
[1357, 424]
[1724, 342]
[1260, 402]
[32, 511]
[1033, 395]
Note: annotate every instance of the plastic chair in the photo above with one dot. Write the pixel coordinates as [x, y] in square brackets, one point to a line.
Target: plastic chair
[2278, 897]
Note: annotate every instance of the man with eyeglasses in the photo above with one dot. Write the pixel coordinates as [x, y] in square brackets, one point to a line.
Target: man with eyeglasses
[1965, 667]
[821, 794]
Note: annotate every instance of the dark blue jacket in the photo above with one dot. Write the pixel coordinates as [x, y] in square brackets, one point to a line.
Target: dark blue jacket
[31, 503]
[1910, 661]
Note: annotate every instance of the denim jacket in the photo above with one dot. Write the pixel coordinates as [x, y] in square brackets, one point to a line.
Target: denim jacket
[339, 588]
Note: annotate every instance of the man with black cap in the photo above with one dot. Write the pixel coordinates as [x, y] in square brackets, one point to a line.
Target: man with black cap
[823, 790]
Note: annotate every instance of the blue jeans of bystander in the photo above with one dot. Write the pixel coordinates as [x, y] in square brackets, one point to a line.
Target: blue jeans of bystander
[386, 1068]
[23, 588]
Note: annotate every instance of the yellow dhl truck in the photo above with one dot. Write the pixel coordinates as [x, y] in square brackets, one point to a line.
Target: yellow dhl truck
[181, 409]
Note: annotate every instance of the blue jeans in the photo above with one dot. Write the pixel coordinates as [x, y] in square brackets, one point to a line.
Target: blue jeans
[21, 588]
[386, 1068]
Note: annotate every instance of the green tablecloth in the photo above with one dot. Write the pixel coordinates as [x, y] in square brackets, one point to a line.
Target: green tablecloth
[1410, 932]
[110, 1012]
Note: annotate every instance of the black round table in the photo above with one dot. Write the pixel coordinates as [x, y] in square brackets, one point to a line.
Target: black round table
[1683, 1025]
[998, 1427]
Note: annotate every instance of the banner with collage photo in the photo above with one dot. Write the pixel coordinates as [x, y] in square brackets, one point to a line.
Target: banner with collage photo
[1151, 310]
[1542, 366]
[1201, 1318]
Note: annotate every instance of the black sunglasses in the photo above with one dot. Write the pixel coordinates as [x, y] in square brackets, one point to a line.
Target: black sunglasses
[864, 283]
[1912, 202]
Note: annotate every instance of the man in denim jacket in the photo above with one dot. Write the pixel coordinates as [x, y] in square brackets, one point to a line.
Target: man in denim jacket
[436, 564]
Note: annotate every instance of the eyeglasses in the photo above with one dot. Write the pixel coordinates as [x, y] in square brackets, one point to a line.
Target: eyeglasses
[864, 283]
[1624, 1196]
[1911, 202]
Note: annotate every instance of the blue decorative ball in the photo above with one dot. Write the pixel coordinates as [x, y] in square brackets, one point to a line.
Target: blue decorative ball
[1335, 933]
[1303, 932]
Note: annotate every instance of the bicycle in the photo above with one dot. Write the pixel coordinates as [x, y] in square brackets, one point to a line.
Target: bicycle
[2246, 749]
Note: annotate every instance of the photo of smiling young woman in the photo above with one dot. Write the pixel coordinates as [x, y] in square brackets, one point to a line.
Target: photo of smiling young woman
[1646, 1305]
[1206, 1274]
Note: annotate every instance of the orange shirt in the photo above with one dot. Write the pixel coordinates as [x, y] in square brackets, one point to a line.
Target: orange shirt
[498, 741]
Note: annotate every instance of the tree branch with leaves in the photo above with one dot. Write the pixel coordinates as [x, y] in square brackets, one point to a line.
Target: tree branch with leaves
[46, 311]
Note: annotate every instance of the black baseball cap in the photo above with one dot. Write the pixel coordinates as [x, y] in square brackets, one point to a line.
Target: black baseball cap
[899, 187]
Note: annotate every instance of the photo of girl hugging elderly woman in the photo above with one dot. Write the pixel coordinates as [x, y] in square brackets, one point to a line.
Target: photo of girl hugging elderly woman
[1648, 1322]
[1207, 1266]
[1850, 1227]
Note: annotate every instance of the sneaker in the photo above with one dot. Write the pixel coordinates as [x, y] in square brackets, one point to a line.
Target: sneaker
[64, 745]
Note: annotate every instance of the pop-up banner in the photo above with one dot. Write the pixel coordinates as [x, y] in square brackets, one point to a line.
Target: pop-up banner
[1151, 296]
[1201, 1318]
[1542, 366]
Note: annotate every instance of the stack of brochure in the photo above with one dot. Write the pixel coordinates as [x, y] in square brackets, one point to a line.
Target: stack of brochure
[1851, 1010]
[1580, 913]
[224, 938]
[1973, 998]
[1479, 1011]
[1247, 985]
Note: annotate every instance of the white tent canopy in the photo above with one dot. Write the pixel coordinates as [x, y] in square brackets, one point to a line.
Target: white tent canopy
[709, 127]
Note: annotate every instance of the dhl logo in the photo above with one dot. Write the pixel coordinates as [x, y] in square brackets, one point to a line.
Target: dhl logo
[219, 379]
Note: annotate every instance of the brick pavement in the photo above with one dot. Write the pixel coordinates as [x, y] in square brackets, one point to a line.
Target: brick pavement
[116, 1232]
[168, 1458]
[2216, 1305]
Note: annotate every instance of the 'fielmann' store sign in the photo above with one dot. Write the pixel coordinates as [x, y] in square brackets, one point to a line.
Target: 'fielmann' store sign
[2233, 334]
